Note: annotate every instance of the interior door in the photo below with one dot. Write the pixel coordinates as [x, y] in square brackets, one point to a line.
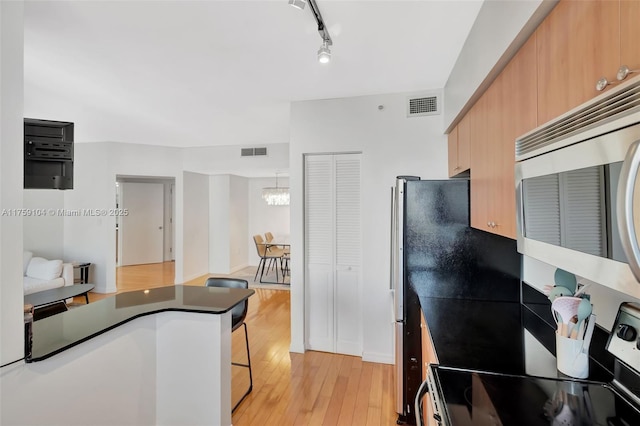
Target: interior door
[333, 252]
[142, 228]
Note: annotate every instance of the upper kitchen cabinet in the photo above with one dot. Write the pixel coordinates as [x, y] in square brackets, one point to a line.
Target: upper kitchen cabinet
[506, 110]
[452, 146]
[630, 34]
[459, 148]
[577, 44]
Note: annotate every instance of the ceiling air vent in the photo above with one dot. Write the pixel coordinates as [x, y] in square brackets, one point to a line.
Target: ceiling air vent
[423, 105]
[252, 152]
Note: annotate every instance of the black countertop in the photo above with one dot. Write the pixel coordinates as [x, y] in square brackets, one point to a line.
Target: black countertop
[496, 336]
[59, 332]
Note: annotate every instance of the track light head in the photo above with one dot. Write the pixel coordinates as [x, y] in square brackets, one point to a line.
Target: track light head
[324, 53]
[298, 4]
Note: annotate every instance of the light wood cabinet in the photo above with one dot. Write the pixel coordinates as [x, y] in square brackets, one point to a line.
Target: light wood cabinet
[458, 145]
[452, 145]
[578, 43]
[428, 357]
[630, 34]
[505, 111]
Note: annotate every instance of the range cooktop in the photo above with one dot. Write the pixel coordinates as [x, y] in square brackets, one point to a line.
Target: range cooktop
[470, 397]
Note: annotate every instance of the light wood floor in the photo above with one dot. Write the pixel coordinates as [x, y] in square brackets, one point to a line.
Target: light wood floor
[314, 388]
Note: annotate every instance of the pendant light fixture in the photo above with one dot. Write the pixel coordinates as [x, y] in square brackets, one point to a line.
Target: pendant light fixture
[276, 196]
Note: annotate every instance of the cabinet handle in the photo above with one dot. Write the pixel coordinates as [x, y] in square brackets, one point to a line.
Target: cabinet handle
[624, 71]
[492, 224]
[603, 82]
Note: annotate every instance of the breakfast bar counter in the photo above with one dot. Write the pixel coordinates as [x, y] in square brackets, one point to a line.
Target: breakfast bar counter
[161, 356]
[59, 332]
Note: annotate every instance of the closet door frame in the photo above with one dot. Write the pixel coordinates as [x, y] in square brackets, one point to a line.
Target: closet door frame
[332, 324]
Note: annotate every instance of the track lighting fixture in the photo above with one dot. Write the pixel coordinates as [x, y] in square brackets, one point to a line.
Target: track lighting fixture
[324, 53]
[298, 4]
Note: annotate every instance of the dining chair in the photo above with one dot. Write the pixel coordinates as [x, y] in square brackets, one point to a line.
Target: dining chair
[286, 253]
[266, 255]
[238, 315]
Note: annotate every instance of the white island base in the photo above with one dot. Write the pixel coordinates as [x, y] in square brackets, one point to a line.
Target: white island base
[167, 368]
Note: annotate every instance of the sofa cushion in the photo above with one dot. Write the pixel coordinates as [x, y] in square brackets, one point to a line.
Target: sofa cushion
[26, 258]
[44, 269]
[33, 285]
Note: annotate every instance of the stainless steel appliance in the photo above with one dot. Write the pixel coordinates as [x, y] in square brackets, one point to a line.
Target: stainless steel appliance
[460, 397]
[578, 193]
[429, 226]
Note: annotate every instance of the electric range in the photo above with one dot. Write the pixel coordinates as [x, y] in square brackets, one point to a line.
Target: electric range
[461, 397]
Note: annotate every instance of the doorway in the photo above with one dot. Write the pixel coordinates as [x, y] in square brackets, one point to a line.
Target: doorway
[144, 231]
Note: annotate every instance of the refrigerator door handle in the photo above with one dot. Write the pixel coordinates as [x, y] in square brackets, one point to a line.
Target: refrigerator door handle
[392, 242]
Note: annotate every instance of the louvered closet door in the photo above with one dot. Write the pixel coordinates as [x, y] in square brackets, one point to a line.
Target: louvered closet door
[334, 251]
[348, 254]
[319, 251]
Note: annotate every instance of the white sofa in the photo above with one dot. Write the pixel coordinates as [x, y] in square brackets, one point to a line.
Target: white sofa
[40, 274]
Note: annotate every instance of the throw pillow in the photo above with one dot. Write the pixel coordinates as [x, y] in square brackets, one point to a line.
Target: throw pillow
[44, 269]
[26, 258]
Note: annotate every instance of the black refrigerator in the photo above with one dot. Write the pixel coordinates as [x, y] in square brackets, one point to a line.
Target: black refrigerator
[435, 253]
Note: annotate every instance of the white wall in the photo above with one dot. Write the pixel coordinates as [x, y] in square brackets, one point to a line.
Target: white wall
[265, 218]
[96, 166]
[43, 234]
[498, 32]
[219, 199]
[11, 153]
[222, 160]
[391, 145]
[238, 222]
[196, 225]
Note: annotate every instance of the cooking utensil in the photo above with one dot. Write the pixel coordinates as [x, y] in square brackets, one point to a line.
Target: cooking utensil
[584, 310]
[565, 279]
[558, 291]
[582, 289]
[567, 307]
[588, 334]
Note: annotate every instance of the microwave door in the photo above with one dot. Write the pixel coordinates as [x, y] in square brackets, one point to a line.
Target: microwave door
[628, 207]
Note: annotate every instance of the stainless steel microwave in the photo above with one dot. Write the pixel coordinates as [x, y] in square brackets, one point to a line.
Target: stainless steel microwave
[578, 190]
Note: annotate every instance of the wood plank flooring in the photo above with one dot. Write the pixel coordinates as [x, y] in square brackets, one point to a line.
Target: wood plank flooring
[314, 388]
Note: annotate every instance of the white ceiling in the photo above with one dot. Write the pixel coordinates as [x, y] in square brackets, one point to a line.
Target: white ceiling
[200, 73]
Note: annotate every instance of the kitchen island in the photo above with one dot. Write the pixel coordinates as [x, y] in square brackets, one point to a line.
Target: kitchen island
[157, 356]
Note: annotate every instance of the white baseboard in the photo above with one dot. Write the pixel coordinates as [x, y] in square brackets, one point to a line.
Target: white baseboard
[238, 268]
[193, 277]
[380, 358]
[299, 349]
[104, 289]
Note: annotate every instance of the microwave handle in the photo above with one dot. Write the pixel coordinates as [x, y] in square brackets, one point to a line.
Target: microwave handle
[626, 225]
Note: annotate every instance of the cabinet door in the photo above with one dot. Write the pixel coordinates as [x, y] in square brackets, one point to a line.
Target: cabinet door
[428, 357]
[517, 109]
[630, 34]
[480, 167]
[578, 43]
[453, 152]
[464, 144]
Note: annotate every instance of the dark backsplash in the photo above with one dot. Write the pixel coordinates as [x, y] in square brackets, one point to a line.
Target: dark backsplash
[481, 266]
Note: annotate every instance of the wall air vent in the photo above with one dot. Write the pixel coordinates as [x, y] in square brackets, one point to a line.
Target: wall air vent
[423, 105]
[252, 152]
[607, 112]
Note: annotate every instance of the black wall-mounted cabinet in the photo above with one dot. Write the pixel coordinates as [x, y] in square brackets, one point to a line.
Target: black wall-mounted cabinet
[48, 154]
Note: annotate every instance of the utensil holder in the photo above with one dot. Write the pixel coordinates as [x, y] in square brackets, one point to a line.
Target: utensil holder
[572, 358]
